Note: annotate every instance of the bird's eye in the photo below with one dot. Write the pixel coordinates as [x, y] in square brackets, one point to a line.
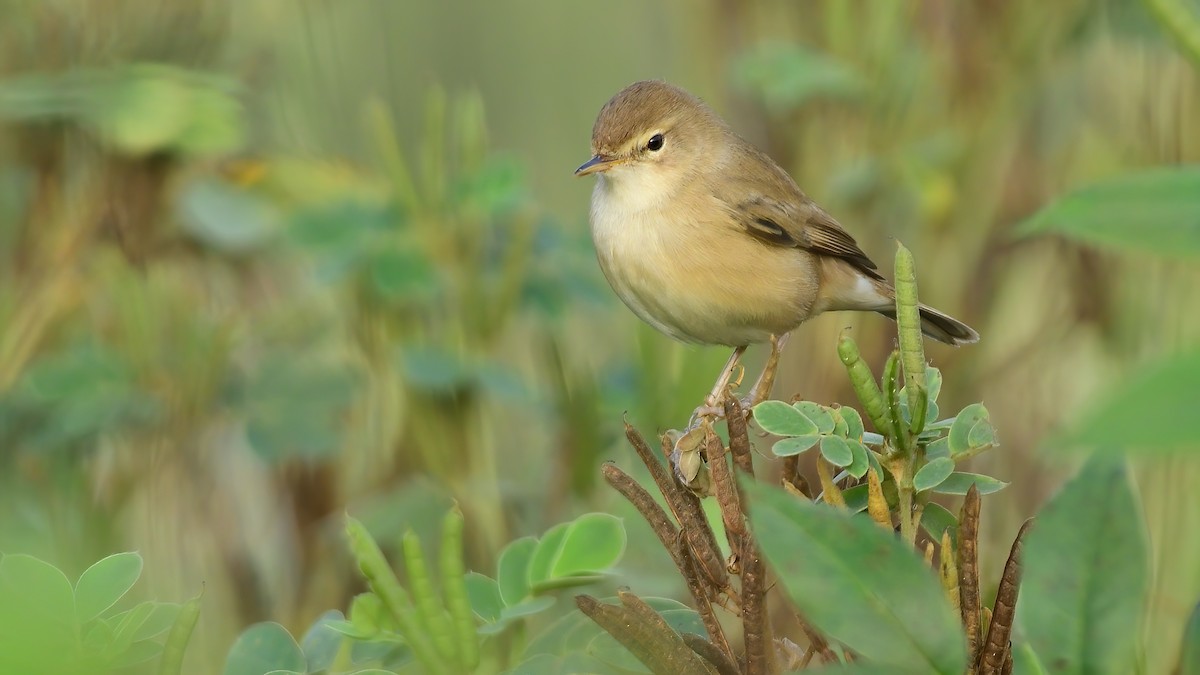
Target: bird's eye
[655, 143]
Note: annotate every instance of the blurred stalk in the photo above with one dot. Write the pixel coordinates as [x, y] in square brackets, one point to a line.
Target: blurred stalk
[1180, 23]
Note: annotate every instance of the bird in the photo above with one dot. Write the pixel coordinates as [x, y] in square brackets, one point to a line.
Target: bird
[707, 239]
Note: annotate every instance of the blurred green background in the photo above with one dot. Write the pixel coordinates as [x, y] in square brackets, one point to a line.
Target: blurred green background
[265, 262]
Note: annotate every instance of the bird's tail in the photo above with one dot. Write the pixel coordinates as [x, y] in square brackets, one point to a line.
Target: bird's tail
[939, 326]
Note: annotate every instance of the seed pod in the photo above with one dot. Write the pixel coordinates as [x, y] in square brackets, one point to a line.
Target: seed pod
[863, 382]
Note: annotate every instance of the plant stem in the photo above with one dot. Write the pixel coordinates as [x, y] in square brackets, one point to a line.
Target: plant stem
[902, 469]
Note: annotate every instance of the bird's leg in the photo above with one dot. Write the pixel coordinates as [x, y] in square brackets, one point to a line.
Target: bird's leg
[712, 402]
[718, 391]
[762, 387]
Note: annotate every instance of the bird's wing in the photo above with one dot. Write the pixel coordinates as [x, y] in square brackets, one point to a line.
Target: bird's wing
[793, 221]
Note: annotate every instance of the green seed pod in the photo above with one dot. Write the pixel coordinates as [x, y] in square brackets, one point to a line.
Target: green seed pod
[908, 317]
[863, 382]
[454, 587]
[891, 398]
[429, 607]
[383, 582]
[171, 662]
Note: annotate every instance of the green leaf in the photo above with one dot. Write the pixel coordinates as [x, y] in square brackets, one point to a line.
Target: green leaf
[836, 452]
[369, 616]
[512, 570]
[104, 583]
[399, 274]
[39, 589]
[854, 423]
[1153, 413]
[818, 414]
[548, 546]
[936, 519]
[938, 448]
[1085, 575]
[321, 643]
[527, 607]
[153, 619]
[959, 482]
[262, 648]
[593, 543]
[785, 447]
[857, 584]
[856, 498]
[1154, 211]
[484, 595]
[1189, 648]
[226, 218]
[781, 419]
[933, 474]
[858, 467]
[960, 430]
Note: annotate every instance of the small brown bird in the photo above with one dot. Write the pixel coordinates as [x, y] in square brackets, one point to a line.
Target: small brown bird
[708, 240]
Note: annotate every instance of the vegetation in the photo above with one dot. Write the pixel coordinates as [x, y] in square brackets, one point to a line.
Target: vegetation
[263, 265]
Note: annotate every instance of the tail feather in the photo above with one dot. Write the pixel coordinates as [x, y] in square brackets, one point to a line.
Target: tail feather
[941, 327]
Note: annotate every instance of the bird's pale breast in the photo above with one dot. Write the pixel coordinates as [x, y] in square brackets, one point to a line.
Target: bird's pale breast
[684, 267]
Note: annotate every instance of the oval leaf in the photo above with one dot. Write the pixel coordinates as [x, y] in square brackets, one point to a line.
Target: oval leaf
[262, 648]
[593, 543]
[959, 482]
[858, 468]
[786, 447]
[781, 419]
[960, 430]
[937, 519]
[40, 590]
[1085, 575]
[484, 596]
[932, 474]
[818, 414]
[512, 570]
[104, 583]
[857, 584]
[548, 547]
[836, 452]
[854, 423]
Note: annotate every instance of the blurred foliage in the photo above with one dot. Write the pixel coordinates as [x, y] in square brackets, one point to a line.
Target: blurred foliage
[264, 262]
[446, 622]
[53, 626]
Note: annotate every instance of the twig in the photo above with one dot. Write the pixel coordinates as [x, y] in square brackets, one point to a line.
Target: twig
[701, 593]
[709, 652]
[725, 491]
[968, 573]
[739, 435]
[996, 646]
[662, 526]
[686, 508]
[643, 632]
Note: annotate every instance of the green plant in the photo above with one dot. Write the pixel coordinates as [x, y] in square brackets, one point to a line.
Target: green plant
[442, 620]
[865, 599]
[49, 625]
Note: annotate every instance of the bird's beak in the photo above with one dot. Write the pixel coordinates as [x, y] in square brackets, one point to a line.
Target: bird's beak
[595, 165]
